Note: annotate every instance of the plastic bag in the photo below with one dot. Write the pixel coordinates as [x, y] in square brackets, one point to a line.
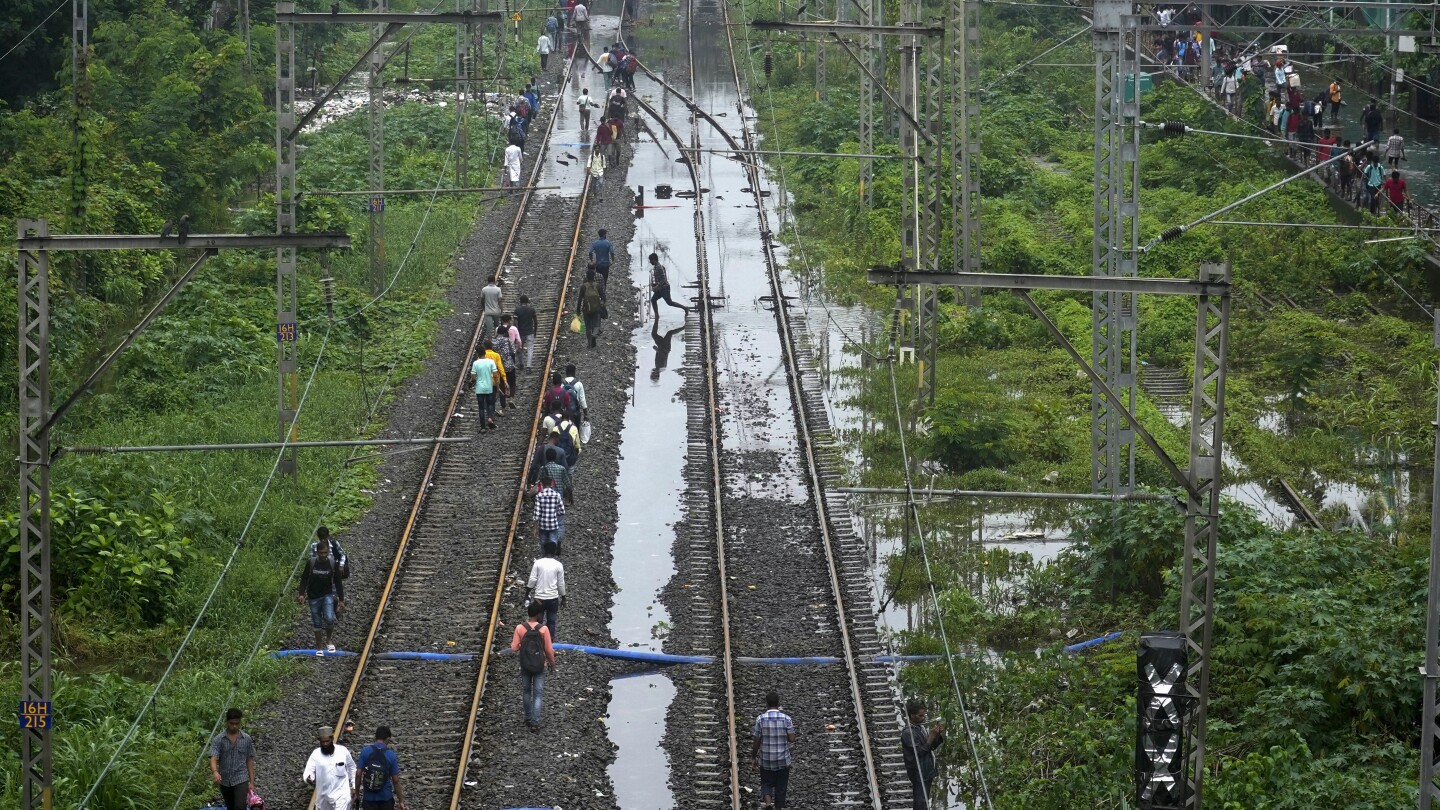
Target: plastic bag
[576, 325]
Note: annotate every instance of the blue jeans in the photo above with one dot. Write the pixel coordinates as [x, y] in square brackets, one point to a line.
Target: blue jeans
[532, 692]
[552, 536]
[322, 612]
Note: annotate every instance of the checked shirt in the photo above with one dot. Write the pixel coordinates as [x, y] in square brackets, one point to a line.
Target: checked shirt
[548, 508]
[772, 729]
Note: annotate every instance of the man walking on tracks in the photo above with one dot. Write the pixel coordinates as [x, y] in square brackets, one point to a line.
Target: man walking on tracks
[585, 104]
[532, 642]
[773, 734]
[549, 514]
[380, 774]
[525, 324]
[487, 379]
[324, 587]
[592, 307]
[660, 287]
[232, 762]
[547, 585]
[601, 254]
[919, 744]
[492, 299]
[331, 771]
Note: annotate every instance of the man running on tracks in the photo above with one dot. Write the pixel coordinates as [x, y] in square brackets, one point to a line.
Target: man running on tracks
[660, 287]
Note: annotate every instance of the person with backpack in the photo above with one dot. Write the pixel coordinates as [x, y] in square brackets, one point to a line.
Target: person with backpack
[1345, 171]
[331, 772]
[592, 307]
[552, 30]
[558, 397]
[546, 585]
[536, 653]
[577, 391]
[502, 391]
[617, 132]
[322, 535]
[628, 65]
[380, 774]
[569, 438]
[660, 287]
[550, 458]
[549, 517]
[324, 588]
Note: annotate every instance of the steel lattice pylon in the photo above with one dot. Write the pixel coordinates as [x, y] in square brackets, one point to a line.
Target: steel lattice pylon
[1116, 238]
[874, 57]
[286, 306]
[820, 71]
[376, 113]
[1430, 734]
[1202, 513]
[34, 390]
[963, 30]
[465, 67]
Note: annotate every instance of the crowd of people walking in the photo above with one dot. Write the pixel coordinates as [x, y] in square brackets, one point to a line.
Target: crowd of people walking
[1308, 117]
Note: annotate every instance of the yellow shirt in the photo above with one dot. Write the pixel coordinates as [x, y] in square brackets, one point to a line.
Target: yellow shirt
[493, 355]
[1334, 93]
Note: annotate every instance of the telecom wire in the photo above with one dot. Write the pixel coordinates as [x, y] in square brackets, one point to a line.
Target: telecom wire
[210, 599]
[280, 599]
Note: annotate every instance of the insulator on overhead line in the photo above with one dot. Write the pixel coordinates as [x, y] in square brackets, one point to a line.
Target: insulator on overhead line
[1172, 233]
[1175, 127]
[769, 64]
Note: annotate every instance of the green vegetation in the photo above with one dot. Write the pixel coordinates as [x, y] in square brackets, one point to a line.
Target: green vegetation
[1333, 377]
[178, 125]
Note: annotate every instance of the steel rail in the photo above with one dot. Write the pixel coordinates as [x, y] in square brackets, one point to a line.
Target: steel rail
[802, 420]
[365, 655]
[797, 398]
[469, 738]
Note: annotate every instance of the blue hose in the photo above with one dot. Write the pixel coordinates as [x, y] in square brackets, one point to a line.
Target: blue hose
[639, 655]
[1094, 642]
[290, 653]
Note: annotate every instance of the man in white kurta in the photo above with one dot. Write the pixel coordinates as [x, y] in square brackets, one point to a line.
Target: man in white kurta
[331, 771]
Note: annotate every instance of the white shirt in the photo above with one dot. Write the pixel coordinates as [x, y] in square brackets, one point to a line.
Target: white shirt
[581, 14]
[334, 775]
[585, 102]
[543, 45]
[547, 578]
[512, 162]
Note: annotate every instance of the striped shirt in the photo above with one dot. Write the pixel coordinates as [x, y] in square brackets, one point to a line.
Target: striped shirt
[548, 508]
[773, 730]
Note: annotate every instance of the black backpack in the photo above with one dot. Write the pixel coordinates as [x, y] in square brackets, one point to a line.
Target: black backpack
[376, 772]
[532, 650]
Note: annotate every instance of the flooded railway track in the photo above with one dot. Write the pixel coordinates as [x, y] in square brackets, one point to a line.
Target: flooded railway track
[445, 586]
[772, 577]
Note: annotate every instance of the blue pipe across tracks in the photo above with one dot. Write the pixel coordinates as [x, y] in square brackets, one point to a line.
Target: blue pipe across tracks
[664, 659]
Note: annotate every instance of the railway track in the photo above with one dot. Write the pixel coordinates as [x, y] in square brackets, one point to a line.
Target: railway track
[857, 696]
[449, 573]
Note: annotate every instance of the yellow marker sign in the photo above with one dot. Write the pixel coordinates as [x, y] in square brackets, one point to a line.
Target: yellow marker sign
[515, 17]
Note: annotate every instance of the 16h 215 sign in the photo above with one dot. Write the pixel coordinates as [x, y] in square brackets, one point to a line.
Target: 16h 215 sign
[35, 714]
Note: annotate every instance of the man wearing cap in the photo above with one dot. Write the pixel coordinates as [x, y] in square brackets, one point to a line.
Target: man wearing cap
[378, 764]
[331, 772]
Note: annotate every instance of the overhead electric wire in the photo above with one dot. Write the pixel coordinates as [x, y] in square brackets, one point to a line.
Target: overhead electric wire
[914, 511]
[63, 3]
[281, 597]
[210, 599]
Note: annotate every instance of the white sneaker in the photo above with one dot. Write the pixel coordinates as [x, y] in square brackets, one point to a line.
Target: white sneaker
[319, 652]
[330, 648]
